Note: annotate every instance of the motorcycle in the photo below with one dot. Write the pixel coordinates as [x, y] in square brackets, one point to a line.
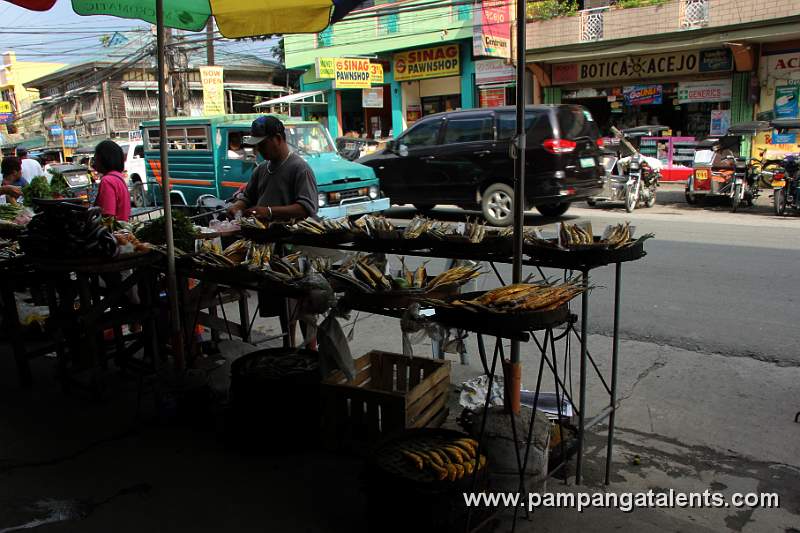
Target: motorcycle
[786, 185]
[642, 183]
[637, 180]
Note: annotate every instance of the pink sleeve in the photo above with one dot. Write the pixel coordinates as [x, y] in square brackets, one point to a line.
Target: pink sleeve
[105, 199]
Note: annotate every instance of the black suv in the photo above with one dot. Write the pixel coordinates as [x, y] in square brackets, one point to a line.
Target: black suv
[462, 158]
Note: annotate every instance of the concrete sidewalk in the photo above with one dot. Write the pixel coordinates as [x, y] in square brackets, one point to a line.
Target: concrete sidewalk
[94, 468]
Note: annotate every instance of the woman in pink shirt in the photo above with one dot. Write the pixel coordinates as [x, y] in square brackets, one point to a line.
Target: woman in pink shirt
[112, 194]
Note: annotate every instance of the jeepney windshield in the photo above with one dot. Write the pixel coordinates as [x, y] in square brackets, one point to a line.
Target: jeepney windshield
[311, 138]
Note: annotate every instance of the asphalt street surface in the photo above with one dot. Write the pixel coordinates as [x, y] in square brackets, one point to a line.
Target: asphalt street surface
[712, 281]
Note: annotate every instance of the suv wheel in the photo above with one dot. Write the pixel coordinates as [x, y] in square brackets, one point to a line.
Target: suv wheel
[553, 210]
[497, 204]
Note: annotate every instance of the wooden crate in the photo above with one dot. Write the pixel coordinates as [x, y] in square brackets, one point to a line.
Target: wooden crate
[390, 392]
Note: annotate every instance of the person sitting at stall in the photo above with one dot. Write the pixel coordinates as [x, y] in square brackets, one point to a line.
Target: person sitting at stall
[283, 187]
[113, 197]
[235, 150]
[13, 182]
[30, 167]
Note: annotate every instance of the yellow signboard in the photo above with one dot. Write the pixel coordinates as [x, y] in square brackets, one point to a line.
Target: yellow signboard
[213, 91]
[5, 107]
[376, 73]
[427, 63]
[325, 69]
[351, 73]
[762, 142]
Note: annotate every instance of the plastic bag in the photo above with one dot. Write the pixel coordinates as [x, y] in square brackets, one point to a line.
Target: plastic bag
[334, 350]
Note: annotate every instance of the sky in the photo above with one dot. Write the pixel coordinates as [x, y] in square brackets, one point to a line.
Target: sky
[59, 35]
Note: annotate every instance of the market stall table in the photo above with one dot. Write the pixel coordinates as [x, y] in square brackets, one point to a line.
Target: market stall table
[80, 329]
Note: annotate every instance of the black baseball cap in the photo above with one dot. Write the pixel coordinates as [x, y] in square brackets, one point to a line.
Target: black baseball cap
[263, 127]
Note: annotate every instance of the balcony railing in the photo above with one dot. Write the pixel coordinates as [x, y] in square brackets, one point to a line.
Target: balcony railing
[694, 13]
[592, 24]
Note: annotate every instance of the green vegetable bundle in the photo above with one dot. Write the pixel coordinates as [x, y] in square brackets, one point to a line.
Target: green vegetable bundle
[154, 232]
[9, 211]
[37, 188]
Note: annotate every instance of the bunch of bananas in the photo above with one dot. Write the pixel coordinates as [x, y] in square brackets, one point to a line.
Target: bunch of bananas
[449, 461]
[521, 297]
[573, 235]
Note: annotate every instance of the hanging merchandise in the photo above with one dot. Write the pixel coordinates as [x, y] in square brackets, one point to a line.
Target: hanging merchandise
[720, 121]
[642, 94]
[786, 101]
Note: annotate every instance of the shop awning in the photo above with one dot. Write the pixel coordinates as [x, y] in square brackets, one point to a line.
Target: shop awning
[28, 144]
[197, 86]
[302, 98]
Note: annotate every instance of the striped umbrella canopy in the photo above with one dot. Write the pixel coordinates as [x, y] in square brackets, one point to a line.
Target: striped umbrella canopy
[234, 18]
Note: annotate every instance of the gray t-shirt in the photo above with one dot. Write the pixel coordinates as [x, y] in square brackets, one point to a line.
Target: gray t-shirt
[292, 182]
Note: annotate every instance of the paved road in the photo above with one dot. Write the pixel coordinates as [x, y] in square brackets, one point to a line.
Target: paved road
[712, 281]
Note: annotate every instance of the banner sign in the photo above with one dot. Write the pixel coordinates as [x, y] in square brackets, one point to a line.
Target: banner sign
[70, 139]
[355, 73]
[351, 73]
[135, 135]
[213, 90]
[786, 104]
[6, 118]
[56, 131]
[492, 97]
[427, 63]
[704, 91]
[642, 67]
[5, 107]
[324, 68]
[491, 30]
[494, 71]
[372, 97]
[783, 63]
[642, 94]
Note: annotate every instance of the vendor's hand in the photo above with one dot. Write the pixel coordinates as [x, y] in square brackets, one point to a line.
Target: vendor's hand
[11, 190]
[258, 212]
[235, 207]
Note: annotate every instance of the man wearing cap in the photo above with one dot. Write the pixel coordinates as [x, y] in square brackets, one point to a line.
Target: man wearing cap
[283, 187]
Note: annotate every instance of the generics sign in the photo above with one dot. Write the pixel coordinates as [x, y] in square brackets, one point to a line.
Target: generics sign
[643, 67]
[704, 91]
[427, 63]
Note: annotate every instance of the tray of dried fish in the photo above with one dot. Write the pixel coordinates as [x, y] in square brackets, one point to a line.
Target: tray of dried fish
[577, 247]
[365, 285]
[514, 308]
[323, 231]
[257, 231]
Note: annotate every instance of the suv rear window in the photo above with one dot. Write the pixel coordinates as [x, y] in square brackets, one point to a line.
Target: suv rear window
[537, 126]
[471, 129]
[575, 122]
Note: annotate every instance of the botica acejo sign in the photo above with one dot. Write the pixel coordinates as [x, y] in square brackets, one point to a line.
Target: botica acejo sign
[643, 67]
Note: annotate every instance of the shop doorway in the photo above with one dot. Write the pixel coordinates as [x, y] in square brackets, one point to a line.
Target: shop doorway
[352, 113]
[378, 120]
[439, 104]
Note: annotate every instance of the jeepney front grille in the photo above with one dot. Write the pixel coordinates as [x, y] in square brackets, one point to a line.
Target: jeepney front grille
[337, 197]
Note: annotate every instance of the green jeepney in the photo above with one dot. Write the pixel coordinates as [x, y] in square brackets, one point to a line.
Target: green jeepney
[205, 161]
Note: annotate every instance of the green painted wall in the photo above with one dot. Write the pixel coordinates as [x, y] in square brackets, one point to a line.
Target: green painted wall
[741, 108]
[370, 36]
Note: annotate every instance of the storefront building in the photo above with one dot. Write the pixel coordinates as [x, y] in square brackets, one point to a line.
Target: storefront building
[779, 75]
[689, 91]
[436, 58]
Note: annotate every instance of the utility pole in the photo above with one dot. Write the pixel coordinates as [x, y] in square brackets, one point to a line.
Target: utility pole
[210, 42]
[169, 72]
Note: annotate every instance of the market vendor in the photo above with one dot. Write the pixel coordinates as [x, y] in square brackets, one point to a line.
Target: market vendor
[283, 187]
[113, 197]
[13, 182]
